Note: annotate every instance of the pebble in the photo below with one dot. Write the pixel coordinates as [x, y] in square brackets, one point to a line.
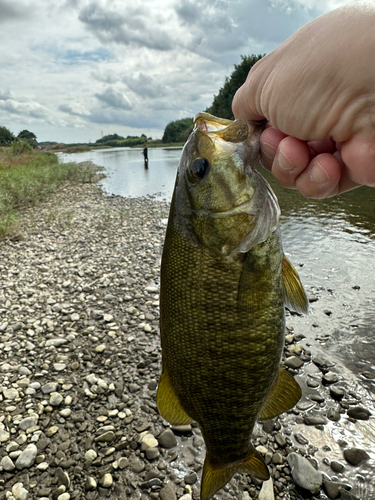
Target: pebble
[19, 492]
[27, 457]
[359, 413]
[168, 493]
[7, 464]
[167, 439]
[304, 474]
[106, 481]
[355, 456]
[293, 362]
[267, 490]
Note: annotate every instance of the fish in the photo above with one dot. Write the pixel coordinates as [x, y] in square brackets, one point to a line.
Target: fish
[224, 285]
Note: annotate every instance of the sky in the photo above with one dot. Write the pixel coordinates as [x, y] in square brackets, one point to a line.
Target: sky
[74, 70]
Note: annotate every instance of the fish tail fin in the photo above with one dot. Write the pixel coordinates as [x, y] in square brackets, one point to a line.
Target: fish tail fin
[214, 477]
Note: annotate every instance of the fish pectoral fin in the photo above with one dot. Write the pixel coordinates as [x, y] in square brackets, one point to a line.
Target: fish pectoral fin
[295, 296]
[168, 404]
[283, 396]
[214, 478]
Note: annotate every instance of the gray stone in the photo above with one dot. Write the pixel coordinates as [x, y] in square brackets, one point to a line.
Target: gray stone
[7, 464]
[359, 413]
[56, 342]
[304, 474]
[190, 478]
[152, 453]
[27, 457]
[314, 420]
[55, 399]
[90, 484]
[49, 387]
[167, 439]
[355, 456]
[167, 493]
[28, 422]
[10, 394]
[4, 436]
[106, 437]
[19, 492]
[63, 478]
[267, 490]
[106, 481]
[293, 362]
[332, 489]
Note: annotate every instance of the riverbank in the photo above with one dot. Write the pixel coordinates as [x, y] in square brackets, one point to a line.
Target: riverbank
[81, 359]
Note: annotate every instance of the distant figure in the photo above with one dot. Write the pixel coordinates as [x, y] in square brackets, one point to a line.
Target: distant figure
[145, 155]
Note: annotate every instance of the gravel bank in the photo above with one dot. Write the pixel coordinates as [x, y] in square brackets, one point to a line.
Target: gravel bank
[80, 361]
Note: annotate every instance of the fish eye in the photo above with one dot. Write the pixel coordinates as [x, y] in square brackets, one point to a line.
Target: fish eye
[200, 167]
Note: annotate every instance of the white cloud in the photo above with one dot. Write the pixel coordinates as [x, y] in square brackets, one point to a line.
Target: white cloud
[71, 68]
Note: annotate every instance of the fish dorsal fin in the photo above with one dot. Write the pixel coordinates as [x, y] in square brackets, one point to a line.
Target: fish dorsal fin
[266, 212]
[295, 296]
[283, 396]
[214, 478]
[168, 404]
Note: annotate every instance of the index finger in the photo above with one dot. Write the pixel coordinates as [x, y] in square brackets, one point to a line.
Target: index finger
[243, 105]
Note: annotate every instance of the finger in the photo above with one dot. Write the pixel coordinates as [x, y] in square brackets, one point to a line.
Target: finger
[321, 178]
[269, 142]
[291, 159]
[323, 146]
[358, 154]
[247, 100]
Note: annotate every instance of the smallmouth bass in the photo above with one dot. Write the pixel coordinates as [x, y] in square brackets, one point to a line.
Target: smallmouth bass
[224, 284]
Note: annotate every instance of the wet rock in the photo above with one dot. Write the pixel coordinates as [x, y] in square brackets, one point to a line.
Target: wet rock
[347, 495]
[314, 420]
[359, 413]
[293, 362]
[332, 489]
[190, 478]
[167, 493]
[330, 378]
[337, 392]
[304, 474]
[333, 415]
[337, 466]
[167, 439]
[355, 456]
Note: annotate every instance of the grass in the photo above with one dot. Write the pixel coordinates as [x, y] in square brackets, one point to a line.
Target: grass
[28, 177]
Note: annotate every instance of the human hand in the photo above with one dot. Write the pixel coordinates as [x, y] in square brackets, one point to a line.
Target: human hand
[318, 92]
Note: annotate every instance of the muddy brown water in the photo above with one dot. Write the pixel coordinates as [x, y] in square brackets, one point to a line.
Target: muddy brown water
[332, 245]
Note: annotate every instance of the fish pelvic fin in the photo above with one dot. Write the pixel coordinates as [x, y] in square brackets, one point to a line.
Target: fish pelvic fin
[295, 296]
[283, 396]
[168, 404]
[214, 478]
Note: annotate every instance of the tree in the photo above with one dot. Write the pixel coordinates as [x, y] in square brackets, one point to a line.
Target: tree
[222, 103]
[29, 137]
[25, 134]
[178, 130]
[6, 137]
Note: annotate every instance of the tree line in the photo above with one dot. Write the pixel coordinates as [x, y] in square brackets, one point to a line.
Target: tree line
[179, 130]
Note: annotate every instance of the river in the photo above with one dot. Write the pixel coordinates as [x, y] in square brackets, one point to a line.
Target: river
[332, 245]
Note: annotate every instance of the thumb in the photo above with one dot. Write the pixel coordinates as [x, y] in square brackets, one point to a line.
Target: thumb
[246, 101]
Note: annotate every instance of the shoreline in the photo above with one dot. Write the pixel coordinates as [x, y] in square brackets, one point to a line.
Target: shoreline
[81, 359]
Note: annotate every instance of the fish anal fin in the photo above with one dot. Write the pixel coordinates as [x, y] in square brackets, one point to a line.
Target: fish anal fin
[295, 296]
[214, 478]
[168, 404]
[283, 396]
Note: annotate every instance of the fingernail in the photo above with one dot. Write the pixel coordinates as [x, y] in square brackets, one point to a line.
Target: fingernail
[318, 174]
[284, 162]
[267, 150]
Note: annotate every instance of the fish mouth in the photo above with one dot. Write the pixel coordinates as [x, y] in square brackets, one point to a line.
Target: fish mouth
[245, 207]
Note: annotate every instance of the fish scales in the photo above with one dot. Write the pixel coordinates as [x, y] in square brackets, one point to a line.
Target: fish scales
[222, 303]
